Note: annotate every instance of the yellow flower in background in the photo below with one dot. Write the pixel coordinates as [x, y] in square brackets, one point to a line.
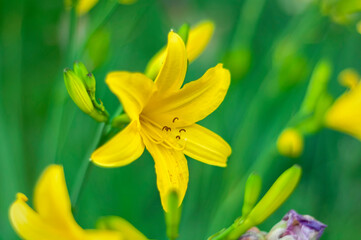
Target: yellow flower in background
[349, 78]
[84, 6]
[290, 143]
[345, 113]
[198, 39]
[52, 218]
[163, 119]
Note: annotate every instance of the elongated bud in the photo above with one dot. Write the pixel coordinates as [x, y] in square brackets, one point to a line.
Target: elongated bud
[277, 194]
[172, 217]
[81, 87]
[183, 32]
[290, 143]
[77, 91]
[88, 78]
[90, 82]
[317, 87]
[251, 194]
[271, 201]
[80, 69]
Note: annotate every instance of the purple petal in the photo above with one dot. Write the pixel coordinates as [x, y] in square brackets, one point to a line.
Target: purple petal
[302, 227]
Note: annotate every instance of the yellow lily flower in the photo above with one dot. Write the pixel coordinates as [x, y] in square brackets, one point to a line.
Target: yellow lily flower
[53, 218]
[163, 118]
[198, 39]
[345, 113]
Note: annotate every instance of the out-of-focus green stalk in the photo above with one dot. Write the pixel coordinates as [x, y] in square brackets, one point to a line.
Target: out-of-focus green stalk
[13, 177]
[85, 169]
[247, 23]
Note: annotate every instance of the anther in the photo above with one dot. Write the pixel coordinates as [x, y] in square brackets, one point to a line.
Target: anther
[166, 128]
[176, 118]
[182, 130]
[177, 137]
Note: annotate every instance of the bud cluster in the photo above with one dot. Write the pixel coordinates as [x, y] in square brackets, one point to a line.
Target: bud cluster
[81, 87]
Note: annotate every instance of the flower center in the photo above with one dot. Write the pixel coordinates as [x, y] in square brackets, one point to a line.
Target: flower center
[168, 135]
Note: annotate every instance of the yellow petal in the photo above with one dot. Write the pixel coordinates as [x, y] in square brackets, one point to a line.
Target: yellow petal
[114, 223]
[345, 114]
[173, 70]
[132, 89]
[198, 39]
[206, 146]
[84, 6]
[122, 149]
[171, 169]
[30, 226]
[195, 101]
[52, 202]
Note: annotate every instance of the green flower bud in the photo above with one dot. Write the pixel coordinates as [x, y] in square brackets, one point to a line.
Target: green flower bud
[271, 201]
[251, 193]
[81, 88]
[80, 70]
[90, 83]
[276, 195]
[173, 215]
[77, 91]
[317, 87]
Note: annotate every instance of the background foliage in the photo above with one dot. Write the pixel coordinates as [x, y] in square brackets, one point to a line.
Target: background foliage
[280, 40]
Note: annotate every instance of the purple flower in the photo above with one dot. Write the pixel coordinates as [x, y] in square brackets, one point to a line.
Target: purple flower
[297, 227]
[253, 234]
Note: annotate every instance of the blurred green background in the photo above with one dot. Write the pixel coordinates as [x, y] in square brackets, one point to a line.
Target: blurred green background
[271, 48]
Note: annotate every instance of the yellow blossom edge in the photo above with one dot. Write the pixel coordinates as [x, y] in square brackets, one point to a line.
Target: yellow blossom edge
[345, 113]
[198, 39]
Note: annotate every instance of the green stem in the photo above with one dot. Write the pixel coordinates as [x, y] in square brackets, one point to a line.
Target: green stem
[85, 169]
[102, 136]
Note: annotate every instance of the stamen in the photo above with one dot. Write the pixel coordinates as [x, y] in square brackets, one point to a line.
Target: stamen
[176, 118]
[182, 130]
[166, 128]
